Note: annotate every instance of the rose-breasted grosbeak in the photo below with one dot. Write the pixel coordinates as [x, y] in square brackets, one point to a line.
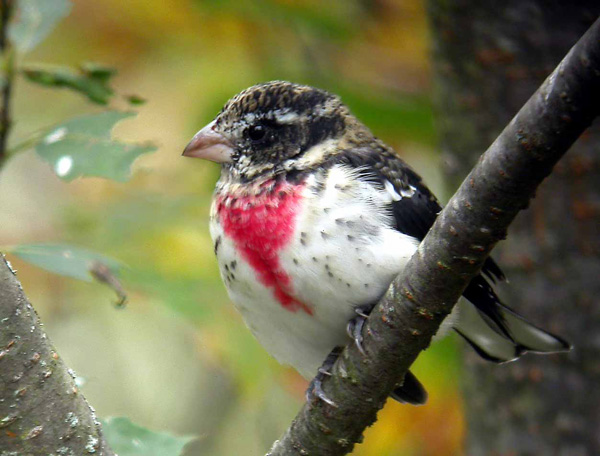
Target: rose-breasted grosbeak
[313, 217]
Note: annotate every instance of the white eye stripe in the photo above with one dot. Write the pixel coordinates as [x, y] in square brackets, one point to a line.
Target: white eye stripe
[282, 117]
[249, 118]
[287, 117]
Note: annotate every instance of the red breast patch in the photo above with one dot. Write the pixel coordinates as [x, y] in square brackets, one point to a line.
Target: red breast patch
[261, 225]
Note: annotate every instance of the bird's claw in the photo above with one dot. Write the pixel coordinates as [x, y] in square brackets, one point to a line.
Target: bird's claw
[362, 312]
[322, 371]
[315, 389]
[355, 326]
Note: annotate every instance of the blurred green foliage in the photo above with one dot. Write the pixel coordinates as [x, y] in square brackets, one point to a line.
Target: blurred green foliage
[128, 439]
[333, 19]
[92, 81]
[35, 20]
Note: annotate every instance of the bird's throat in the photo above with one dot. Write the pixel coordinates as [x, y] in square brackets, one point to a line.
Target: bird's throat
[261, 223]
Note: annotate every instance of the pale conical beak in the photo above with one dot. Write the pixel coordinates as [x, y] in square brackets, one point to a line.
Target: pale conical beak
[209, 145]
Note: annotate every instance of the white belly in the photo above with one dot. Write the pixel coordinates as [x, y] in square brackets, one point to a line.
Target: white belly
[344, 253]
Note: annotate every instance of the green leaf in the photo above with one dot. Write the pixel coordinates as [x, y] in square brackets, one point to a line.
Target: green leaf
[128, 439]
[98, 71]
[75, 262]
[90, 79]
[63, 259]
[135, 100]
[34, 20]
[83, 147]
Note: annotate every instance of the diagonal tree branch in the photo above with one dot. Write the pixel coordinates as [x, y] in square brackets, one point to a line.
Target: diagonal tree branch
[41, 410]
[475, 219]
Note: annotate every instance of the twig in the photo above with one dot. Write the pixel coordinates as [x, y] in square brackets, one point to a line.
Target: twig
[475, 219]
[6, 76]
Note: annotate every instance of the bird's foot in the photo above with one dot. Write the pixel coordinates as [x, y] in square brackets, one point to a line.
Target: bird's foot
[315, 389]
[355, 326]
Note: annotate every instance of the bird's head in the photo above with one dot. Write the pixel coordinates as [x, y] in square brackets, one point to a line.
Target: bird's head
[273, 127]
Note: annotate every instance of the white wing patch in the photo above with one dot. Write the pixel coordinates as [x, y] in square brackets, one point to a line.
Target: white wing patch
[404, 192]
[392, 191]
[408, 192]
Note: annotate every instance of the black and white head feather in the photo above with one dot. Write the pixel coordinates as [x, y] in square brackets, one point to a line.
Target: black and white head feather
[272, 125]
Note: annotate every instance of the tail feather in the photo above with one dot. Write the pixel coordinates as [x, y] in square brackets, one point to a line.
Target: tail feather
[497, 332]
[486, 340]
[530, 337]
[499, 351]
[411, 391]
[481, 294]
[492, 271]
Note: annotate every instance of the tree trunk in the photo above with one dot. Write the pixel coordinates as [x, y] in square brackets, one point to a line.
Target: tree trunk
[489, 57]
[42, 411]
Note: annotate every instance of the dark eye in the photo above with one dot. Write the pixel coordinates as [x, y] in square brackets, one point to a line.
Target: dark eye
[256, 132]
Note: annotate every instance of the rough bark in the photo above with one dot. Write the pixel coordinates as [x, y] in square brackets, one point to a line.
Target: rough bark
[42, 411]
[475, 219]
[488, 58]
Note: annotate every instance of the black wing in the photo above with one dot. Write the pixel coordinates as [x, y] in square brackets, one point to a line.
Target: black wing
[413, 215]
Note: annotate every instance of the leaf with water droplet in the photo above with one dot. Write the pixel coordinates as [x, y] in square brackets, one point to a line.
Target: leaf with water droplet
[76, 262]
[83, 147]
[34, 20]
[129, 439]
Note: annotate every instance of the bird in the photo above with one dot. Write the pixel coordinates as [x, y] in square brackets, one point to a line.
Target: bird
[313, 217]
